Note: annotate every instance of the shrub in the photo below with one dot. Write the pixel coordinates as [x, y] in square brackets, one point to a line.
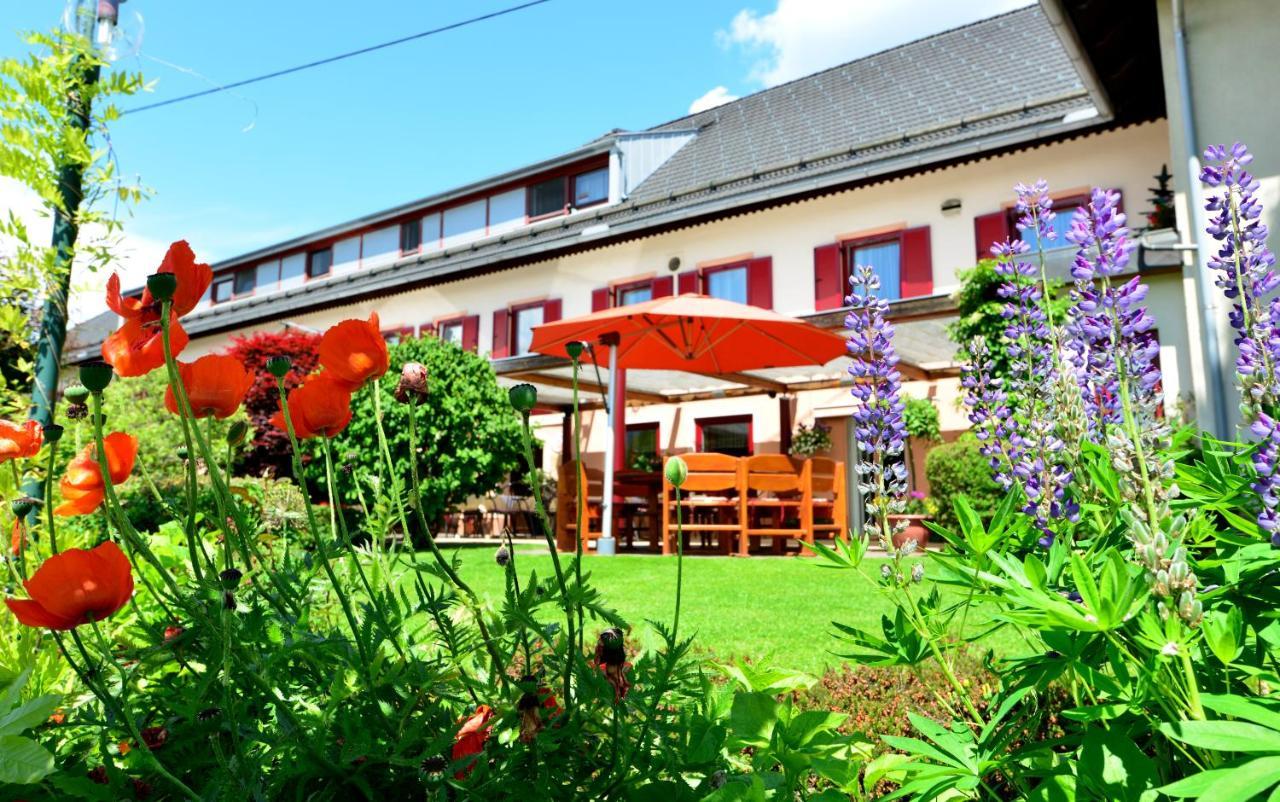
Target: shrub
[268, 452]
[959, 469]
[468, 436]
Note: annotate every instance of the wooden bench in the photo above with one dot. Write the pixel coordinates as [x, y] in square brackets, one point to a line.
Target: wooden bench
[567, 506]
[774, 501]
[710, 500]
[827, 513]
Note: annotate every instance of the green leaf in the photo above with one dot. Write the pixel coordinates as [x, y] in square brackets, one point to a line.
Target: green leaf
[1225, 736]
[1224, 634]
[1115, 768]
[31, 714]
[23, 761]
[1240, 707]
[1244, 781]
[753, 717]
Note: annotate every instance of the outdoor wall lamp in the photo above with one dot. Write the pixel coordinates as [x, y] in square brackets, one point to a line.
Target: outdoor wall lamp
[951, 206]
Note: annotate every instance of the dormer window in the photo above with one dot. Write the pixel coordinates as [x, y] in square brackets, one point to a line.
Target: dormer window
[591, 187]
[319, 263]
[547, 197]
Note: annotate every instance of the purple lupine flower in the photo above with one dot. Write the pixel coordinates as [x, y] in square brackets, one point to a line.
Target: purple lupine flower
[1035, 210]
[988, 410]
[879, 429]
[1246, 276]
[1036, 451]
[1245, 266]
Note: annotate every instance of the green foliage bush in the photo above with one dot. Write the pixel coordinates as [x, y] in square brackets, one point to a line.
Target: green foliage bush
[959, 469]
[468, 436]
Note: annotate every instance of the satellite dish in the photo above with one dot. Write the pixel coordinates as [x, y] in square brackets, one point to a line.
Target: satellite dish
[114, 33]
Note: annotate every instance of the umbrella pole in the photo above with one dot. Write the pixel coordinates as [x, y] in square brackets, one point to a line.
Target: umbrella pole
[610, 446]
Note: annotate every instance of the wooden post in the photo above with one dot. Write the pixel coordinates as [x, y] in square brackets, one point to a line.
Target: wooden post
[784, 424]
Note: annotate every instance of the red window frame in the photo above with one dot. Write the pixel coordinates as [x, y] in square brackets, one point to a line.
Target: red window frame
[747, 419]
[1062, 204]
[705, 272]
[458, 320]
[417, 221]
[653, 426]
[848, 246]
[399, 332]
[311, 257]
[226, 278]
[513, 314]
[616, 291]
[573, 187]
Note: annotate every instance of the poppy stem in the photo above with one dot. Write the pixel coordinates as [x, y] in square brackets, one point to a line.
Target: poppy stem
[462, 587]
[515, 582]
[335, 515]
[548, 532]
[105, 647]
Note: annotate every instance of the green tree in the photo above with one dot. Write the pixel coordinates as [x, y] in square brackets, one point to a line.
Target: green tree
[468, 435]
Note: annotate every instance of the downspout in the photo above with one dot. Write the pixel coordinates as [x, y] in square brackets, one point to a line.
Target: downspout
[1214, 382]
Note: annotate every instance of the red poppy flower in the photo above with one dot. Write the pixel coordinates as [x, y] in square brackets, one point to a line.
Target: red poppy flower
[320, 406]
[531, 717]
[19, 440]
[82, 487]
[75, 587]
[137, 347]
[354, 351]
[215, 385]
[15, 541]
[193, 279]
[471, 737]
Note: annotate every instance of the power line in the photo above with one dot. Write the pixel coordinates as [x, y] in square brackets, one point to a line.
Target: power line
[339, 57]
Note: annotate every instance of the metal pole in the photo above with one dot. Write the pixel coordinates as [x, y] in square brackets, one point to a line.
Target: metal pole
[606, 499]
[1215, 381]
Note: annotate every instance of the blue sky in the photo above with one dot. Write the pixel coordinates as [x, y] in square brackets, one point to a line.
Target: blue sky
[234, 172]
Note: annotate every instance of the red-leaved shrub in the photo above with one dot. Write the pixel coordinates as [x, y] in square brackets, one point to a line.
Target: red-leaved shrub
[269, 451]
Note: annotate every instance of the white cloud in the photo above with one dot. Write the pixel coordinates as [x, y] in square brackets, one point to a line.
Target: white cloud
[800, 37]
[138, 257]
[716, 97]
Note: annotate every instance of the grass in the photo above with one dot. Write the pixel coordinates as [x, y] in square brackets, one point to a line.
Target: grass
[776, 610]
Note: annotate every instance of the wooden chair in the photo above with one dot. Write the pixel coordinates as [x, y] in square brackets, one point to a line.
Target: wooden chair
[827, 512]
[773, 501]
[567, 506]
[709, 499]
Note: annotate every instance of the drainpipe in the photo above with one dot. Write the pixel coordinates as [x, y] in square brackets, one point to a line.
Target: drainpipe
[1215, 380]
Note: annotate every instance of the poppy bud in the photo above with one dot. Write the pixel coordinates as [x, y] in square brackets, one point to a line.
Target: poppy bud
[237, 433]
[413, 382]
[524, 397]
[23, 506]
[278, 366]
[52, 433]
[182, 453]
[502, 556]
[230, 578]
[574, 349]
[95, 376]
[162, 285]
[76, 394]
[676, 472]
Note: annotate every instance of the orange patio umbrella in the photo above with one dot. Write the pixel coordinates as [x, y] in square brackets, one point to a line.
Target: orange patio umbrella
[691, 333]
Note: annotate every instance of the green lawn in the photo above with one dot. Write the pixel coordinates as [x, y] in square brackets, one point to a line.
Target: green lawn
[777, 610]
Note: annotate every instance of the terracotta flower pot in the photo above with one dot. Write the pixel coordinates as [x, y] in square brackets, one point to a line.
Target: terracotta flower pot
[916, 531]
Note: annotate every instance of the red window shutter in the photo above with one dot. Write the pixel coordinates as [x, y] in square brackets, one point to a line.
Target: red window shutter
[501, 334]
[988, 229]
[662, 286]
[600, 299]
[828, 279]
[689, 282]
[551, 310]
[760, 282]
[470, 332]
[916, 276]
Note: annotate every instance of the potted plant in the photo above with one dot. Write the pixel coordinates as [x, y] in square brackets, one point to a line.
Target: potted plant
[919, 508]
[809, 441]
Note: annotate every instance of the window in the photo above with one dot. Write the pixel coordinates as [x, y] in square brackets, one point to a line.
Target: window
[450, 331]
[244, 282]
[591, 187]
[642, 446]
[731, 435]
[633, 294]
[222, 289]
[727, 284]
[1065, 209]
[410, 236]
[547, 197]
[397, 336]
[522, 323]
[885, 257]
[319, 263]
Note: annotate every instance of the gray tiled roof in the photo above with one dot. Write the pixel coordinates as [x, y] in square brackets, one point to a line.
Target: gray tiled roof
[981, 68]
